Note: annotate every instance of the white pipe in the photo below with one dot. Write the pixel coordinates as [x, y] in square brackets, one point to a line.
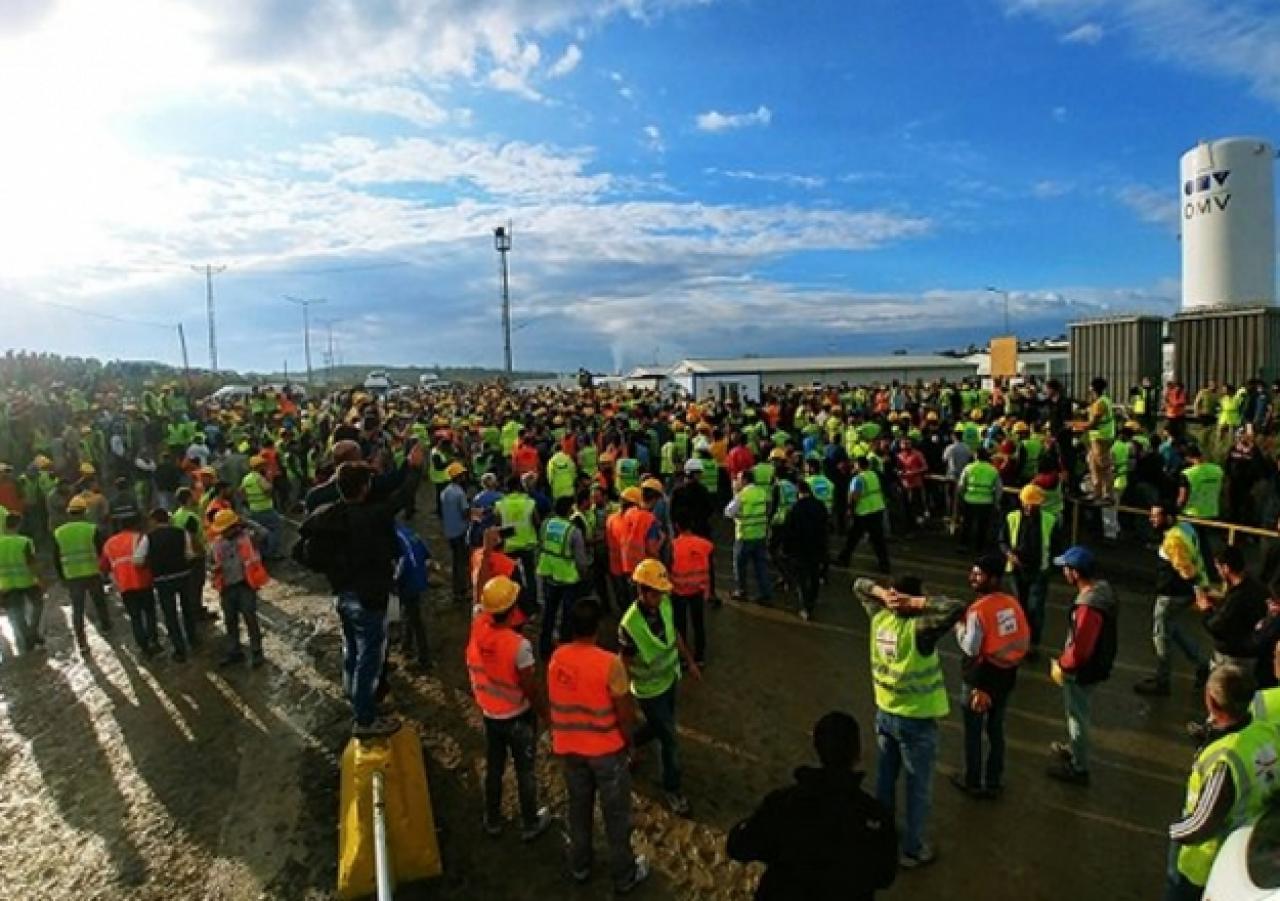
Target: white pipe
[381, 854]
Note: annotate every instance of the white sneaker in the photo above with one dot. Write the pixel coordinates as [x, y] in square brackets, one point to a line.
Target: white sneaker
[921, 858]
[804, 614]
[638, 875]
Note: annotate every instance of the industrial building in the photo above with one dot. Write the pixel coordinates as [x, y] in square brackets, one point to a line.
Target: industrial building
[746, 377]
[1229, 328]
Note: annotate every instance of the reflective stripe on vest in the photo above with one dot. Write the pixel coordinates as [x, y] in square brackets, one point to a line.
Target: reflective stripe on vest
[1048, 522]
[255, 574]
[907, 683]
[517, 510]
[77, 549]
[787, 496]
[491, 664]
[556, 561]
[636, 524]
[656, 665]
[1006, 637]
[1250, 754]
[583, 720]
[119, 551]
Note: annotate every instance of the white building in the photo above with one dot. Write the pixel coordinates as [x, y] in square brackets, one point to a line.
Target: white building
[745, 378]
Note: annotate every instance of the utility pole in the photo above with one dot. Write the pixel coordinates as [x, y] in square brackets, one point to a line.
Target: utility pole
[502, 243]
[305, 303]
[1005, 293]
[209, 272]
[328, 324]
[186, 363]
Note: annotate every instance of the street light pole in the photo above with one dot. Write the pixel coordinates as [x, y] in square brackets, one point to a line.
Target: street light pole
[305, 303]
[502, 243]
[1005, 294]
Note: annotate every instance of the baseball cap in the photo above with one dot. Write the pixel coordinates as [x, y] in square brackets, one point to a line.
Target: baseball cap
[1078, 557]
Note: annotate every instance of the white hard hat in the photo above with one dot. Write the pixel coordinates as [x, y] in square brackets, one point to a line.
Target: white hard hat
[694, 465]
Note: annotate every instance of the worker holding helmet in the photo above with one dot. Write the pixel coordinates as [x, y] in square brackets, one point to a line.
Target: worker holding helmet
[652, 649]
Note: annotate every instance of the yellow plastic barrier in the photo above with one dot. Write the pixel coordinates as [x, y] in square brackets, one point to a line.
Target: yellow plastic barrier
[411, 829]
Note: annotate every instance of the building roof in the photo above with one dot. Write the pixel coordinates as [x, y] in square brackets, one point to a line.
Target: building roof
[888, 362]
[648, 372]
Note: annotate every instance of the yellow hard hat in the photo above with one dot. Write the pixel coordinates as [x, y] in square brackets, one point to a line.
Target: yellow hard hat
[1021, 427]
[652, 574]
[1133, 425]
[653, 485]
[255, 461]
[777, 454]
[607, 457]
[498, 595]
[86, 469]
[77, 505]
[931, 416]
[43, 462]
[1031, 495]
[632, 495]
[976, 416]
[454, 469]
[677, 426]
[225, 519]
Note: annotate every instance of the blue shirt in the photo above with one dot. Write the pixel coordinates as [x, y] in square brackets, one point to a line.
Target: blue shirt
[411, 575]
[456, 512]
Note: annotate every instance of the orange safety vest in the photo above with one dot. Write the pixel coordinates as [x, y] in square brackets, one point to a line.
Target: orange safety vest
[272, 460]
[583, 720]
[1175, 402]
[691, 566]
[491, 662]
[636, 523]
[1005, 633]
[255, 573]
[525, 459]
[614, 536]
[499, 565]
[127, 575]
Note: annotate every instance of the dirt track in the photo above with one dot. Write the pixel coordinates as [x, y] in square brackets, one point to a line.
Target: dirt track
[138, 781]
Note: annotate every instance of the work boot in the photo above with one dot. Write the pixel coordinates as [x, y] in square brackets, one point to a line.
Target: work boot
[638, 875]
[1153, 686]
[379, 728]
[922, 858]
[543, 823]
[957, 780]
[1066, 771]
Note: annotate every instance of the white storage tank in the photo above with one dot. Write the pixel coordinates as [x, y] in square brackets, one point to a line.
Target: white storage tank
[1227, 208]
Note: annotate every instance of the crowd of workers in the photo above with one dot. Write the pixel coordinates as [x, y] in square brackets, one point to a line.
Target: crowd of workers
[561, 507]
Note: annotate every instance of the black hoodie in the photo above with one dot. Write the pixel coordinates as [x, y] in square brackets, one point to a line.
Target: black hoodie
[822, 839]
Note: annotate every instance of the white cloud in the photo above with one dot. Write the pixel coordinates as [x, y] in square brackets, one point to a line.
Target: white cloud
[653, 138]
[1059, 114]
[406, 103]
[1088, 33]
[567, 62]
[781, 178]
[715, 121]
[1049, 189]
[1150, 204]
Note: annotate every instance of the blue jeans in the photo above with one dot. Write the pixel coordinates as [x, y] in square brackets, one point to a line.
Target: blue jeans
[270, 520]
[660, 723]
[756, 554]
[556, 613]
[1167, 627]
[911, 744]
[1033, 588]
[364, 645]
[608, 777]
[993, 720]
[1075, 698]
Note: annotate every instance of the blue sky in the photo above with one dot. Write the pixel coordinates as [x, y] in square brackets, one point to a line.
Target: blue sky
[685, 177]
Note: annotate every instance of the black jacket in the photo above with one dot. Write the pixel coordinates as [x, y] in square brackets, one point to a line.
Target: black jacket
[822, 839]
[359, 543]
[805, 536]
[167, 552]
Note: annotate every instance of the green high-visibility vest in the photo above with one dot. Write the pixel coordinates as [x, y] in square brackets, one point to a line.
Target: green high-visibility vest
[15, 571]
[1265, 706]
[668, 462]
[561, 473]
[510, 435]
[1120, 453]
[656, 665]
[517, 509]
[1053, 503]
[556, 560]
[1106, 429]
[1032, 451]
[628, 473]
[1186, 533]
[589, 459]
[1048, 522]
[681, 440]
[1205, 481]
[980, 483]
[77, 548]
[438, 470]
[762, 474]
[907, 683]
[258, 497]
[787, 496]
[871, 497]
[1250, 755]
[1231, 410]
[752, 522]
[181, 517]
[710, 475]
[824, 490]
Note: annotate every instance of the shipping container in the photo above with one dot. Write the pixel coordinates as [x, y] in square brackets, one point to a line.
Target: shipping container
[1227, 345]
[1122, 349]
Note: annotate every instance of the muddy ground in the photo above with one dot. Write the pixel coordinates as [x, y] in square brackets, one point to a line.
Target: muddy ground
[126, 779]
